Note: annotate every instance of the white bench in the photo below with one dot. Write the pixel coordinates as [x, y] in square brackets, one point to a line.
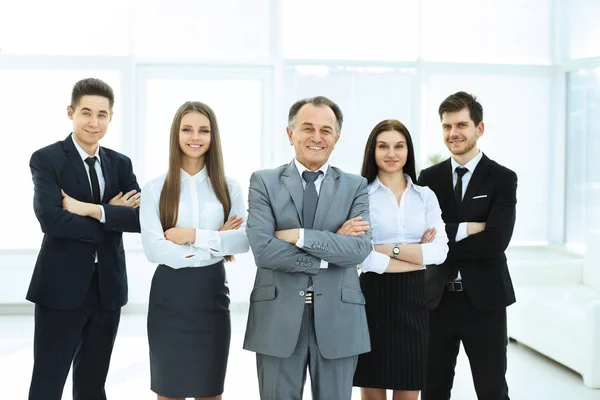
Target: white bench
[557, 312]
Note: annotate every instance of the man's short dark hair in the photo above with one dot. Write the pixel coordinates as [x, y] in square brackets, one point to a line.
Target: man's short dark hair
[460, 100]
[91, 87]
[319, 101]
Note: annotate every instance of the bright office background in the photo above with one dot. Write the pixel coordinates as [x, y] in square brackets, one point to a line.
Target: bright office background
[533, 64]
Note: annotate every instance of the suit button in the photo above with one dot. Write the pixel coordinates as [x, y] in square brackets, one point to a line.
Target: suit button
[301, 293]
[326, 248]
[297, 263]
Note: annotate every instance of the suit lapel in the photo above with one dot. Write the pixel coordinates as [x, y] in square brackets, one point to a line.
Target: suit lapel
[77, 165]
[107, 172]
[293, 183]
[479, 175]
[448, 188]
[328, 188]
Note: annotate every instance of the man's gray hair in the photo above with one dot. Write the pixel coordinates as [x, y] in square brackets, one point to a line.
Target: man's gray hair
[319, 101]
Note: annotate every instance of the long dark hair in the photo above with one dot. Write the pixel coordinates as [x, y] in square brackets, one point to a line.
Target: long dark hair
[169, 196]
[370, 168]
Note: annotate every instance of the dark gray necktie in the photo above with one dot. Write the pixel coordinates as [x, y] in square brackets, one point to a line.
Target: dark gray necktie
[458, 189]
[94, 179]
[309, 202]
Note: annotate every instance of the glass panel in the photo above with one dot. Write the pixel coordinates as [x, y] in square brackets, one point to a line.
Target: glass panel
[382, 30]
[487, 31]
[583, 156]
[36, 102]
[365, 95]
[202, 29]
[67, 27]
[581, 27]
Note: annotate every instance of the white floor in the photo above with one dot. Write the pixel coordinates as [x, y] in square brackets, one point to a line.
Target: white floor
[530, 375]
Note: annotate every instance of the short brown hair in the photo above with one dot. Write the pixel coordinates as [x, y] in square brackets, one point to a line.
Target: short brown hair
[319, 101]
[460, 100]
[91, 87]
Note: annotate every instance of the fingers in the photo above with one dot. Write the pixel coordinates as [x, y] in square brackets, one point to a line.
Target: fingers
[128, 195]
[63, 193]
[118, 196]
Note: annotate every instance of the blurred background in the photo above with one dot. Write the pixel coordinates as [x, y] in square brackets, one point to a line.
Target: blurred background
[533, 64]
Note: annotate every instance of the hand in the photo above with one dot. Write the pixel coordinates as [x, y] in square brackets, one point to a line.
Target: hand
[74, 206]
[233, 223]
[428, 236]
[288, 235]
[475, 227]
[181, 235]
[129, 199]
[354, 227]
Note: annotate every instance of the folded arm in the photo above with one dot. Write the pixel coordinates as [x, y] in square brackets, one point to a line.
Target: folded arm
[494, 239]
[47, 204]
[121, 218]
[269, 251]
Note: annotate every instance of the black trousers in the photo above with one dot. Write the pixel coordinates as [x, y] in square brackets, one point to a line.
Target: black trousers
[484, 337]
[83, 337]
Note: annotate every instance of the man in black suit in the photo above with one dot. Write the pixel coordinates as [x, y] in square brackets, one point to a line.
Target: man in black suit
[468, 294]
[85, 197]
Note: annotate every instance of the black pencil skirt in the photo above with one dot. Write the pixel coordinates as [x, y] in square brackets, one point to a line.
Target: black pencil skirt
[398, 325]
[189, 330]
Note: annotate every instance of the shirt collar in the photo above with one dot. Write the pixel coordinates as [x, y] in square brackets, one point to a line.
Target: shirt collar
[301, 168]
[199, 176]
[82, 153]
[376, 184]
[471, 165]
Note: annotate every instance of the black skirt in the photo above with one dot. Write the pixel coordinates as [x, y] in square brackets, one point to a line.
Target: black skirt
[398, 325]
[189, 330]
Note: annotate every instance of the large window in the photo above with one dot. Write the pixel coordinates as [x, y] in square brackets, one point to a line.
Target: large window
[64, 27]
[583, 156]
[350, 29]
[34, 115]
[580, 28]
[487, 31]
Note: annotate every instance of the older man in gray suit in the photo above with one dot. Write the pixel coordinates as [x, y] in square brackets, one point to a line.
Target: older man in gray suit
[308, 229]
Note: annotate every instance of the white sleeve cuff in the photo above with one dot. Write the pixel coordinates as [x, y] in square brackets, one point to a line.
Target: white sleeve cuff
[102, 216]
[324, 264]
[461, 232]
[300, 242]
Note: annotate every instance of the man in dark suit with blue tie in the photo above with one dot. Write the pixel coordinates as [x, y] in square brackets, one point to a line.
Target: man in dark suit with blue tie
[468, 293]
[85, 197]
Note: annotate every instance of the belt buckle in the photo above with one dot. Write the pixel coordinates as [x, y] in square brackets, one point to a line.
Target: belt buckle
[309, 297]
[454, 286]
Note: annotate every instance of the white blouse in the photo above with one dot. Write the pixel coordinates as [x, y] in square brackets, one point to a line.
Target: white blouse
[199, 208]
[406, 223]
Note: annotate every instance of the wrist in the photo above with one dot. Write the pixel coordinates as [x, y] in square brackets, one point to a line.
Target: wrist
[192, 235]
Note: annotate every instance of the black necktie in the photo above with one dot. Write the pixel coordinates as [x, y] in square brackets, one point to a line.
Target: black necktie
[460, 171]
[94, 178]
[309, 203]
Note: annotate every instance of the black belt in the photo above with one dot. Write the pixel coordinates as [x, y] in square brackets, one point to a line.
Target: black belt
[455, 286]
[309, 297]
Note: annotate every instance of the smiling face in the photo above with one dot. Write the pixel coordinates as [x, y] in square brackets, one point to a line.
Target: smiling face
[313, 135]
[194, 136]
[391, 151]
[461, 134]
[91, 117]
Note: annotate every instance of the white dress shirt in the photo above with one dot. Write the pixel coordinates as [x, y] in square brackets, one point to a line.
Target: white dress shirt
[101, 182]
[461, 232]
[405, 223]
[301, 168]
[200, 209]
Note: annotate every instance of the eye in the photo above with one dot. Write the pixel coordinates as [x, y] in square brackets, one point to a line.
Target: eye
[186, 129]
[205, 131]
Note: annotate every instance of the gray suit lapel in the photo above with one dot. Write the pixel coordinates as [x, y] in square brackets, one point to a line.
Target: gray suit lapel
[328, 188]
[293, 183]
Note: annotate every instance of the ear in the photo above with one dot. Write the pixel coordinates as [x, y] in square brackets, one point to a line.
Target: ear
[337, 137]
[110, 117]
[70, 112]
[289, 134]
[480, 129]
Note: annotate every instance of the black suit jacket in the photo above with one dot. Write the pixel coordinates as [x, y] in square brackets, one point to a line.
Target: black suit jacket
[65, 262]
[479, 257]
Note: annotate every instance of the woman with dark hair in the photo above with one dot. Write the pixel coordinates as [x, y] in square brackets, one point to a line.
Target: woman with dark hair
[408, 233]
[191, 219]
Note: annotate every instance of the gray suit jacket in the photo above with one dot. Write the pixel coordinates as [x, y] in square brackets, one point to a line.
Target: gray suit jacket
[277, 300]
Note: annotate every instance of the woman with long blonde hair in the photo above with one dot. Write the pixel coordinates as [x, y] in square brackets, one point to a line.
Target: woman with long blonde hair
[192, 220]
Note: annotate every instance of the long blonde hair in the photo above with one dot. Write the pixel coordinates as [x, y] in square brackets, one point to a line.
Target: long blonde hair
[169, 196]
